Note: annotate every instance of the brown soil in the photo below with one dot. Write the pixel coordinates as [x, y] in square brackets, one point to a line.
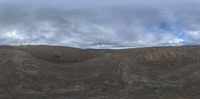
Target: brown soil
[55, 72]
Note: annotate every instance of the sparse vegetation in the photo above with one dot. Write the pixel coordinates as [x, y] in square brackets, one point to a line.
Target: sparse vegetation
[46, 72]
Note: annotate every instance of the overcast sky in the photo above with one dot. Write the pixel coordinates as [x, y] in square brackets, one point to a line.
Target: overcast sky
[100, 23]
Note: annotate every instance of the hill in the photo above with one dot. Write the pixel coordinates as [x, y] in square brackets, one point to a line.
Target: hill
[55, 72]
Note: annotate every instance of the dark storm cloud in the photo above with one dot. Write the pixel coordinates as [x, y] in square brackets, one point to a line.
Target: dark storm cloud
[100, 24]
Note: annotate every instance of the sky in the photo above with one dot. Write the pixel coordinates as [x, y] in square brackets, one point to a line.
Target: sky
[100, 24]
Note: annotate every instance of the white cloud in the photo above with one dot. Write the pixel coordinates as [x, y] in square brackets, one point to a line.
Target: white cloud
[131, 24]
[176, 41]
[194, 34]
[14, 35]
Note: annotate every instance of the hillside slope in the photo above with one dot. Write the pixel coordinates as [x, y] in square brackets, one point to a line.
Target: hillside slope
[47, 72]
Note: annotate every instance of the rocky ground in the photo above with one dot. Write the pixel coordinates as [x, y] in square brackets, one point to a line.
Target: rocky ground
[47, 72]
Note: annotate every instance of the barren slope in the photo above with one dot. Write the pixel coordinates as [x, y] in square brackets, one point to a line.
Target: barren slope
[46, 72]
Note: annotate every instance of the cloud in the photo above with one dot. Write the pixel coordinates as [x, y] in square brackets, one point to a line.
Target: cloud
[114, 24]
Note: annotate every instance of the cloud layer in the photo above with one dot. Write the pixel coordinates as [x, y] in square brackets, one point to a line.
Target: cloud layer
[102, 24]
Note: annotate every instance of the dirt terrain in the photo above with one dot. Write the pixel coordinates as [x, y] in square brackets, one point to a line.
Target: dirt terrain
[56, 72]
